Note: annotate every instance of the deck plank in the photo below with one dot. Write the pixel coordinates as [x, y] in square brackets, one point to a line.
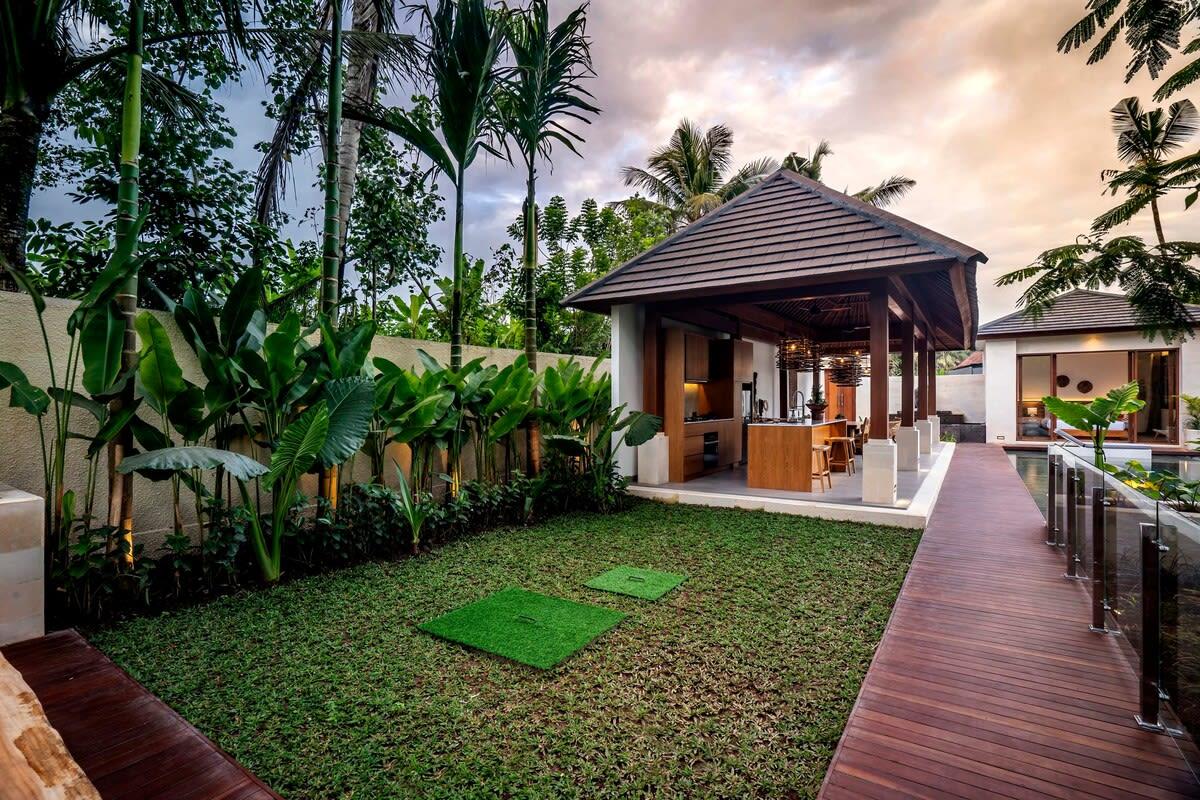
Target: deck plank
[987, 682]
[131, 745]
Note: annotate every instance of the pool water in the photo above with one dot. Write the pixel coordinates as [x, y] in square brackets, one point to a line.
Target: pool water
[1033, 468]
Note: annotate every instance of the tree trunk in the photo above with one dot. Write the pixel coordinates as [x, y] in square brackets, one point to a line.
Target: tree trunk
[361, 77]
[457, 287]
[330, 288]
[1158, 228]
[20, 137]
[533, 436]
[121, 486]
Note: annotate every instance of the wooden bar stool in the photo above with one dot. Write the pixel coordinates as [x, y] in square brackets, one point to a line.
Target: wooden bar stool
[842, 453]
[821, 465]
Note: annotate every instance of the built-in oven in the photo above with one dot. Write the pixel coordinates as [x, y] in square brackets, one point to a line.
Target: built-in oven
[710, 450]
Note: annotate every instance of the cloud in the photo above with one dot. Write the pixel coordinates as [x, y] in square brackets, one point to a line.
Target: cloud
[1005, 136]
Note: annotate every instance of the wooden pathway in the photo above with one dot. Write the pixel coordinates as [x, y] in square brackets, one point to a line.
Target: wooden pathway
[131, 744]
[987, 682]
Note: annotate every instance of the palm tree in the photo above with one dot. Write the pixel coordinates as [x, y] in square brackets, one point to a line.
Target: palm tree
[1145, 142]
[465, 40]
[881, 194]
[331, 240]
[687, 177]
[545, 87]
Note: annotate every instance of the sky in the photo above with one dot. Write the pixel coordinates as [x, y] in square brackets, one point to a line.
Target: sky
[1005, 136]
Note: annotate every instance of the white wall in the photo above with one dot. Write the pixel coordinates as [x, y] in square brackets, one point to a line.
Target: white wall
[627, 322]
[768, 374]
[960, 394]
[1000, 369]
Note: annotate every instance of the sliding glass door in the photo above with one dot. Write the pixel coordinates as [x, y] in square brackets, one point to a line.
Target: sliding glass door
[1157, 374]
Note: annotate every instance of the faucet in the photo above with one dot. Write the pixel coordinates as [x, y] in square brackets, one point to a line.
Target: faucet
[800, 406]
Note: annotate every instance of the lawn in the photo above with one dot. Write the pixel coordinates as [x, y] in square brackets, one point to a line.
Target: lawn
[736, 683]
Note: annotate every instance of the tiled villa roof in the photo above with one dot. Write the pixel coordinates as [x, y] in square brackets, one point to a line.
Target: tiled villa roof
[788, 229]
[1078, 311]
[971, 360]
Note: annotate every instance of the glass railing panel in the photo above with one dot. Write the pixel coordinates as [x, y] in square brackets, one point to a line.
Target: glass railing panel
[1179, 672]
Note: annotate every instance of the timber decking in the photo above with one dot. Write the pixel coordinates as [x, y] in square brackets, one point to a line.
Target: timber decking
[987, 682]
[131, 744]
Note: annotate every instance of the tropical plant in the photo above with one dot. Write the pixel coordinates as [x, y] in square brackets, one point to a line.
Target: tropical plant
[1192, 403]
[544, 91]
[881, 194]
[503, 403]
[414, 511]
[464, 42]
[414, 410]
[689, 177]
[1153, 31]
[1145, 142]
[96, 332]
[1169, 487]
[1097, 416]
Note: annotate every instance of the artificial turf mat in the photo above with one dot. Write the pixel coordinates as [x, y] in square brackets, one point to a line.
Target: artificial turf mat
[644, 583]
[525, 626]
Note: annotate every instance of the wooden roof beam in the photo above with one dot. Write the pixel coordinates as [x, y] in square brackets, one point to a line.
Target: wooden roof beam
[958, 279]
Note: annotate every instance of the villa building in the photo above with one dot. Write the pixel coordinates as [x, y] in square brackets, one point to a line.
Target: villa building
[1086, 344]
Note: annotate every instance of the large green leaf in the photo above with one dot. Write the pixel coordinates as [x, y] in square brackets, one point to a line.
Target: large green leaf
[24, 394]
[186, 413]
[1077, 416]
[102, 342]
[351, 403]
[96, 409]
[112, 425]
[121, 265]
[244, 300]
[162, 379]
[298, 446]
[241, 467]
[640, 427]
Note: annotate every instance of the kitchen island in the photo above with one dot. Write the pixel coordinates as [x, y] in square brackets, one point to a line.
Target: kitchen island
[780, 454]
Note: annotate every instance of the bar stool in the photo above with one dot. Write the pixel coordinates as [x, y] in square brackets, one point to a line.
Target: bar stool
[842, 453]
[821, 469]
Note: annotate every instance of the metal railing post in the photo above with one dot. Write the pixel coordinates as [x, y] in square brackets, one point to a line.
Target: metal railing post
[1150, 694]
[1100, 607]
[1071, 535]
[1051, 510]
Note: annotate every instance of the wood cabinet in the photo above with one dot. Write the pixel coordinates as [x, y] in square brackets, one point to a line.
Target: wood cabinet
[743, 361]
[695, 358]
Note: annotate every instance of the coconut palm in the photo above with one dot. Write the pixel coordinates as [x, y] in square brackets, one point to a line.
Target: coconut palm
[881, 194]
[1145, 142]
[689, 176]
[464, 41]
[544, 90]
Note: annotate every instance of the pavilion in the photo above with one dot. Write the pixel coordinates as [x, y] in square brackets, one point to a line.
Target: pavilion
[791, 260]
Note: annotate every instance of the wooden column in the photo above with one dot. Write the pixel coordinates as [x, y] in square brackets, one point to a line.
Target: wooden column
[922, 382]
[907, 340]
[783, 380]
[931, 382]
[652, 364]
[879, 360]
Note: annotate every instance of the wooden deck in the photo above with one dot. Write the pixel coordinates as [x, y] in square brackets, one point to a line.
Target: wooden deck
[130, 743]
[987, 682]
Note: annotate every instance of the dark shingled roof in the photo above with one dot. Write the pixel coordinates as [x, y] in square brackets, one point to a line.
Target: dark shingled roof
[974, 358]
[788, 229]
[1077, 311]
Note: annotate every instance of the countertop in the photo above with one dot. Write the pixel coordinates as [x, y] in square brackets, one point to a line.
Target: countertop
[702, 421]
[794, 424]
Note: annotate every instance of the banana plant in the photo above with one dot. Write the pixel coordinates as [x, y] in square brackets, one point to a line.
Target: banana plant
[415, 512]
[414, 410]
[595, 453]
[95, 332]
[1097, 416]
[502, 404]
[328, 432]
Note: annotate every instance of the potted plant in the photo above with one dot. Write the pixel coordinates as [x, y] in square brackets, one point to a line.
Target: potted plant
[1191, 433]
[817, 404]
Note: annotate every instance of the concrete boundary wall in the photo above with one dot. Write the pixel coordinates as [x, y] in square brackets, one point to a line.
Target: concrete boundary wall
[20, 450]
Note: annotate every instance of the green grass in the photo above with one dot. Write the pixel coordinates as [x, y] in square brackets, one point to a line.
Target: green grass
[525, 626]
[738, 684]
[644, 583]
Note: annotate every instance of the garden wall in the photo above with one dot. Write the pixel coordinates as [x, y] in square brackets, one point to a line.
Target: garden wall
[958, 394]
[20, 450]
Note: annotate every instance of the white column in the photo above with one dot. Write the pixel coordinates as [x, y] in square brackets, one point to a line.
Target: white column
[22, 566]
[626, 370]
[908, 449]
[935, 431]
[879, 472]
[925, 433]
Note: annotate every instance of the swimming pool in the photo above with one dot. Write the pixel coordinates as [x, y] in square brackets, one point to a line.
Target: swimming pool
[1033, 468]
